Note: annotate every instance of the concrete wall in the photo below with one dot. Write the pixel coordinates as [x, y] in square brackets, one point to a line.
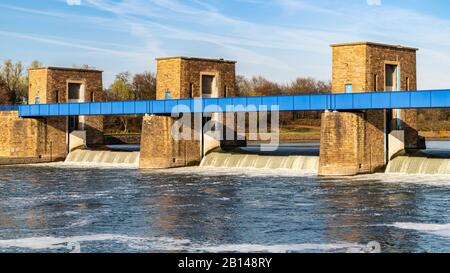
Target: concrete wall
[50, 84]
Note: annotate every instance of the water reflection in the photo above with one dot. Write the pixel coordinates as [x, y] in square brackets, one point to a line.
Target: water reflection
[358, 211]
[189, 209]
[195, 209]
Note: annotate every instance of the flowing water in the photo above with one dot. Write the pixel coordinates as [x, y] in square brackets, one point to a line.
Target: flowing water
[54, 207]
[229, 160]
[104, 158]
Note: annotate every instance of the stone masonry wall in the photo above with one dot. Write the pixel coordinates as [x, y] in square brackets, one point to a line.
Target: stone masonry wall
[37, 86]
[374, 157]
[39, 139]
[51, 86]
[160, 150]
[340, 150]
[362, 65]
[351, 143]
[178, 74]
[224, 71]
[349, 67]
[168, 76]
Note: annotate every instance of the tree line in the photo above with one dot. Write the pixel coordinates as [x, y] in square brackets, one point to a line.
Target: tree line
[260, 86]
[14, 81]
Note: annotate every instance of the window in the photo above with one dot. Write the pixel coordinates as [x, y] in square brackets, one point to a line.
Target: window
[225, 91]
[191, 90]
[391, 78]
[348, 88]
[74, 91]
[168, 94]
[207, 86]
[57, 97]
[73, 123]
[375, 83]
[37, 100]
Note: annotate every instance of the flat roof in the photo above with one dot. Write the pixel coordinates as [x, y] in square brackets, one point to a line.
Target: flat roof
[67, 69]
[375, 44]
[197, 59]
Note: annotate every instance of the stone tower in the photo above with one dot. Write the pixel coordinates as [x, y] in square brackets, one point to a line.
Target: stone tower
[359, 142]
[50, 85]
[184, 77]
[181, 78]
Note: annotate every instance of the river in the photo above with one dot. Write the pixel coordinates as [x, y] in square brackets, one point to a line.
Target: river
[44, 208]
[51, 207]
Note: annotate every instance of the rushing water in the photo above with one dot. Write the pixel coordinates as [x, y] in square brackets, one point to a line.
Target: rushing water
[45, 208]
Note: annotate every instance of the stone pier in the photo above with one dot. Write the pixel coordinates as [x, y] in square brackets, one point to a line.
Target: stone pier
[178, 78]
[35, 140]
[359, 142]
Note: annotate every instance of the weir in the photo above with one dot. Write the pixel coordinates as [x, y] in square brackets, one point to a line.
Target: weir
[103, 158]
[370, 115]
[239, 160]
[418, 165]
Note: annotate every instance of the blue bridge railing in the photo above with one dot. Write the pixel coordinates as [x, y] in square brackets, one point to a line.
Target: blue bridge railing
[353, 101]
[9, 108]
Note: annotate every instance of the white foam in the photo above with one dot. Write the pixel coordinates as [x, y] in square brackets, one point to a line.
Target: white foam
[209, 172]
[430, 180]
[285, 248]
[171, 245]
[82, 165]
[437, 229]
[42, 243]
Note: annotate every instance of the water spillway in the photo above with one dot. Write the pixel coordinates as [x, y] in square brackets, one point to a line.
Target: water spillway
[419, 165]
[239, 160]
[103, 158]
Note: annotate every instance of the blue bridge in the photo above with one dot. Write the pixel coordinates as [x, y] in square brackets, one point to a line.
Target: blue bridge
[352, 101]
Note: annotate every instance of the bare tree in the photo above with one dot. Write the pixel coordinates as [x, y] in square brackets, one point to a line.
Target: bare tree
[13, 80]
[144, 86]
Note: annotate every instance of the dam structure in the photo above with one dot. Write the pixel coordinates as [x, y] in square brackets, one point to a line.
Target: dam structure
[370, 116]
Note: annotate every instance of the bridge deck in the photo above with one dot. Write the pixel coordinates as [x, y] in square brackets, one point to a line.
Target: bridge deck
[353, 101]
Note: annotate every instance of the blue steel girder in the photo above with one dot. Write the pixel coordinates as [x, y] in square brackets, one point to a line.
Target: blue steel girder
[353, 101]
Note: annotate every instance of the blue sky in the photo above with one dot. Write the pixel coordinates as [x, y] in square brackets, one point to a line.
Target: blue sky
[278, 39]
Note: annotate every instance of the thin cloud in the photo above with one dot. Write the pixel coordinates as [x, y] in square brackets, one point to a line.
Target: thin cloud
[374, 2]
[73, 2]
[295, 44]
[54, 41]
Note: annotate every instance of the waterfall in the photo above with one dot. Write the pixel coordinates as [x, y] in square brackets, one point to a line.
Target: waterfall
[238, 160]
[103, 158]
[419, 165]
